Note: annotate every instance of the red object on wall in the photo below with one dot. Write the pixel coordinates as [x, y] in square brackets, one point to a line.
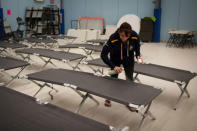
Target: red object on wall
[9, 12]
[52, 1]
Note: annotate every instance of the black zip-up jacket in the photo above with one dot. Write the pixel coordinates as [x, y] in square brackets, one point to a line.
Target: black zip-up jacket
[120, 51]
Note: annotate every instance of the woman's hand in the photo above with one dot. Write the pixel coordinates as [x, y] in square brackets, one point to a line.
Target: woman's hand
[118, 69]
[139, 60]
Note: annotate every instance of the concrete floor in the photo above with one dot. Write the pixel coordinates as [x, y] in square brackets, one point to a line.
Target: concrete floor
[183, 119]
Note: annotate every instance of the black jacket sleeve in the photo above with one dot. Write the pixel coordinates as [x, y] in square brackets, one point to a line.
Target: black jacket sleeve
[105, 52]
[137, 47]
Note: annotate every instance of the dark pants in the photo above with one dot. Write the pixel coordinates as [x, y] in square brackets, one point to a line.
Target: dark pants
[128, 68]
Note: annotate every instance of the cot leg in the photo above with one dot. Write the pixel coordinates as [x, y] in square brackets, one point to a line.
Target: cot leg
[101, 71]
[78, 92]
[40, 88]
[91, 97]
[87, 95]
[52, 88]
[90, 54]
[144, 116]
[47, 62]
[77, 65]
[68, 50]
[27, 57]
[183, 90]
[136, 78]
[95, 71]
[52, 63]
[72, 66]
[82, 103]
[86, 52]
[14, 77]
[151, 115]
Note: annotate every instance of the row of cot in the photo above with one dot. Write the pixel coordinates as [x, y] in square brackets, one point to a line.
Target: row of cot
[132, 94]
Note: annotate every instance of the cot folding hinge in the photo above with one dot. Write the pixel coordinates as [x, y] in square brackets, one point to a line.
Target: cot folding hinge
[66, 85]
[38, 101]
[36, 54]
[41, 103]
[73, 86]
[178, 82]
[23, 77]
[138, 108]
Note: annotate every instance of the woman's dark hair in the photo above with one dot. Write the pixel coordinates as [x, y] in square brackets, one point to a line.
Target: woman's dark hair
[126, 28]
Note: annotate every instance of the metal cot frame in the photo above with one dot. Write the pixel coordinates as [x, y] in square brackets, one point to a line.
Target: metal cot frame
[100, 41]
[14, 65]
[181, 84]
[64, 37]
[5, 46]
[48, 42]
[59, 114]
[89, 49]
[88, 95]
[37, 52]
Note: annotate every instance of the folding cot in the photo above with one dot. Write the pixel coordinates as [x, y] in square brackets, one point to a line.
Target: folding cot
[7, 63]
[178, 76]
[62, 37]
[25, 113]
[100, 41]
[87, 48]
[124, 92]
[5, 46]
[51, 54]
[46, 42]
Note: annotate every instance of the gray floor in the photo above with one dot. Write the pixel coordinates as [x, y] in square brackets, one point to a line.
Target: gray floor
[184, 119]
